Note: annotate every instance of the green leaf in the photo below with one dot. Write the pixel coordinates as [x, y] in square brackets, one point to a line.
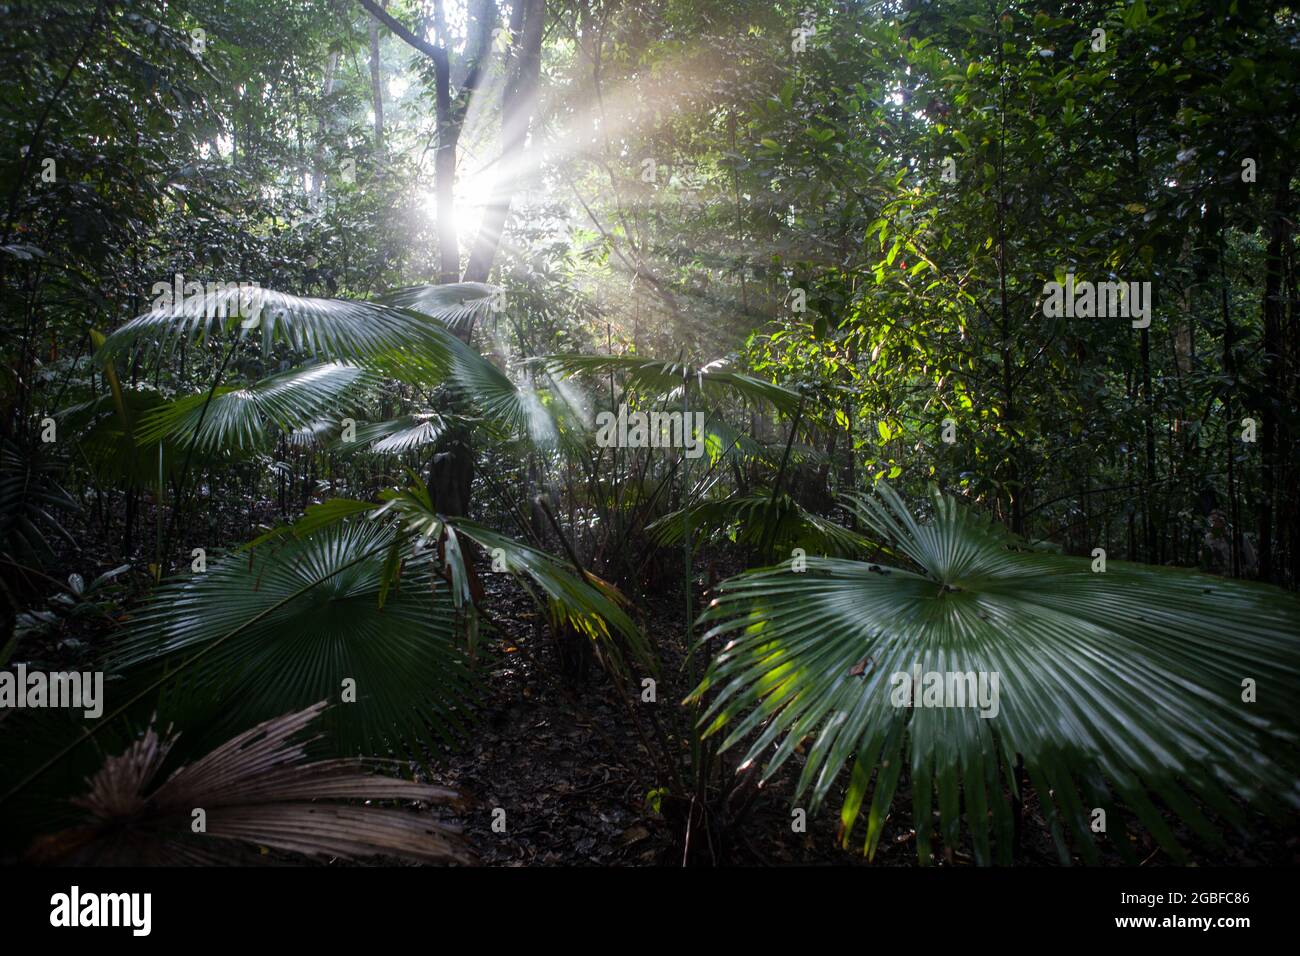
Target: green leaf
[284, 627]
[457, 305]
[667, 378]
[240, 417]
[1116, 686]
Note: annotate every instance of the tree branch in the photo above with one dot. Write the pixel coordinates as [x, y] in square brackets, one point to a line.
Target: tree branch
[387, 19]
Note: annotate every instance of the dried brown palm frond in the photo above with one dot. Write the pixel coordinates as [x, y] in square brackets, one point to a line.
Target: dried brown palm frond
[255, 790]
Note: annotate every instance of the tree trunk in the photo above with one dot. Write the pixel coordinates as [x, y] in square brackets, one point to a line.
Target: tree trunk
[376, 87]
[518, 101]
[451, 470]
[324, 123]
[1272, 395]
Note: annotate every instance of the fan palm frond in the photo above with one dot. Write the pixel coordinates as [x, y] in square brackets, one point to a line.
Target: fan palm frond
[722, 440]
[103, 430]
[257, 789]
[516, 406]
[238, 417]
[402, 434]
[594, 607]
[406, 339]
[1114, 686]
[326, 328]
[587, 603]
[507, 406]
[456, 305]
[745, 518]
[30, 497]
[289, 624]
[320, 433]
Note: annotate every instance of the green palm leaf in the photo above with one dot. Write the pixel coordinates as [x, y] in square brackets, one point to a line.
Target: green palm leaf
[508, 406]
[1114, 687]
[30, 497]
[744, 518]
[492, 392]
[592, 606]
[305, 616]
[406, 339]
[722, 440]
[108, 442]
[456, 305]
[402, 434]
[324, 328]
[239, 417]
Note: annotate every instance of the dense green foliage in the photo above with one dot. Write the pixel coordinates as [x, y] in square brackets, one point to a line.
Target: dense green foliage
[828, 229]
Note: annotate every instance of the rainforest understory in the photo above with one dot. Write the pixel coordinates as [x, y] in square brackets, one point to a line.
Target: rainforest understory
[649, 433]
